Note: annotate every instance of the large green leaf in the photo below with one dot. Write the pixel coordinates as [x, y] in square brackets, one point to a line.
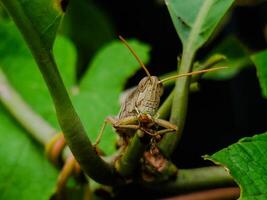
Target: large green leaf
[247, 163]
[24, 173]
[100, 88]
[195, 20]
[260, 60]
[237, 58]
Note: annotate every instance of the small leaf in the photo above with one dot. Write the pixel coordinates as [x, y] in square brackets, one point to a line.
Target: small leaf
[25, 173]
[247, 163]
[260, 60]
[195, 20]
[237, 58]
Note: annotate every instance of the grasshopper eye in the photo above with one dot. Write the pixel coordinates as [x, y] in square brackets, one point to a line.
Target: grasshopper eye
[142, 85]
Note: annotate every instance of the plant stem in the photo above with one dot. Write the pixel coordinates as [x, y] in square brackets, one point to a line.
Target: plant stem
[69, 121]
[165, 108]
[195, 179]
[229, 193]
[180, 99]
[179, 105]
[32, 122]
[131, 156]
[210, 62]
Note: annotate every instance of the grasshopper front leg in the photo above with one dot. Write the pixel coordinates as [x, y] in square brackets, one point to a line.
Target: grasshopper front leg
[124, 123]
[143, 122]
[168, 127]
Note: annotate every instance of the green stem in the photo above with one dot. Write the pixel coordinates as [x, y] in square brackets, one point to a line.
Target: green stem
[69, 121]
[210, 62]
[195, 179]
[131, 156]
[179, 105]
[33, 123]
[165, 108]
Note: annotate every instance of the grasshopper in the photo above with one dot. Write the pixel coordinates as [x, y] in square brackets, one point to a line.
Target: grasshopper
[139, 107]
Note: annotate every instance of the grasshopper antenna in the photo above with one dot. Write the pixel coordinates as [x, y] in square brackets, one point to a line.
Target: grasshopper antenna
[135, 55]
[191, 73]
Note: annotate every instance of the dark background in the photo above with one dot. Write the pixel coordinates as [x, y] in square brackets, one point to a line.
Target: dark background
[222, 111]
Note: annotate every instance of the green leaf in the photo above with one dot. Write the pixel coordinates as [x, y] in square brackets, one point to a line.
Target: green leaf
[20, 67]
[3, 14]
[195, 20]
[36, 18]
[260, 60]
[87, 35]
[98, 95]
[24, 173]
[237, 58]
[246, 161]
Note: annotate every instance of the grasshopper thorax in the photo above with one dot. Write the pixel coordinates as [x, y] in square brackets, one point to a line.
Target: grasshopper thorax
[149, 93]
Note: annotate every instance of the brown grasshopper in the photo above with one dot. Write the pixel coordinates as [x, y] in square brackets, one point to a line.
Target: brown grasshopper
[140, 106]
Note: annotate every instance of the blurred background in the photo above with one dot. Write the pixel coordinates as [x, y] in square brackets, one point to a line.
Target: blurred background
[224, 109]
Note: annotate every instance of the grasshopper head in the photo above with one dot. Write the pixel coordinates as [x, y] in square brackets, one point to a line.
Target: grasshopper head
[150, 91]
